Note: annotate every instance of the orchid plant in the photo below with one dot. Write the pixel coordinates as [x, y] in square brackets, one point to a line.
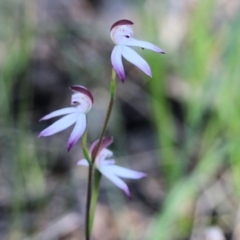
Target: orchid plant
[98, 158]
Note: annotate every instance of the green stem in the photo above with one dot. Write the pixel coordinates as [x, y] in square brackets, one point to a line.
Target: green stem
[110, 107]
[88, 204]
[91, 204]
[97, 179]
[85, 149]
[88, 158]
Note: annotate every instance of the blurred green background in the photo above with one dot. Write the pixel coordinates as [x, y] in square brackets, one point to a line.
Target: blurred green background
[182, 127]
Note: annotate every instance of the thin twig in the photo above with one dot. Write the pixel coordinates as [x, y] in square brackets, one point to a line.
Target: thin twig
[91, 166]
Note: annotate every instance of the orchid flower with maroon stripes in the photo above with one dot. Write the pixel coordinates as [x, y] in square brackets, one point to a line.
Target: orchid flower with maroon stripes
[106, 165]
[82, 101]
[121, 33]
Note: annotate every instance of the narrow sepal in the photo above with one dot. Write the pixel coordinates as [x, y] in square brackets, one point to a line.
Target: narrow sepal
[116, 59]
[138, 43]
[136, 60]
[116, 180]
[78, 131]
[125, 172]
[59, 112]
[59, 125]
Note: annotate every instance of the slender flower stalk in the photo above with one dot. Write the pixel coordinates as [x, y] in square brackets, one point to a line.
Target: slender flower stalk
[89, 219]
[95, 192]
[109, 111]
[88, 202]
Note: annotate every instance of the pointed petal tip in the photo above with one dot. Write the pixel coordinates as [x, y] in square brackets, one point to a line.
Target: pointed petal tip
[69, 146]
[127, 193]
[42, 134]
[43, 118]
[142, 175]
[122, 78]
[121, 74]
[148, 72]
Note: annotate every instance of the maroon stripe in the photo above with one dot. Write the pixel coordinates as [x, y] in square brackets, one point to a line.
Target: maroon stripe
[106, 141]
[121, 22]
[81, 89]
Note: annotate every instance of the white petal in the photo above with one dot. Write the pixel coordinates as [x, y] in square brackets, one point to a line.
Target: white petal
[143, 44]
[83, 162]
[125, 172]
[59, 125]
[116, 58]
[60, 112]
[78, 131]
[119, 33]
[116, 180]
[136, 59]
[83, 102]
[102, 155]
[108, 162]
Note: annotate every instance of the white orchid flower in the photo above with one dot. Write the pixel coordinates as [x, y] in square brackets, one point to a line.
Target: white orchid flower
[82, 100]
[121, 33]
[106, 165]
